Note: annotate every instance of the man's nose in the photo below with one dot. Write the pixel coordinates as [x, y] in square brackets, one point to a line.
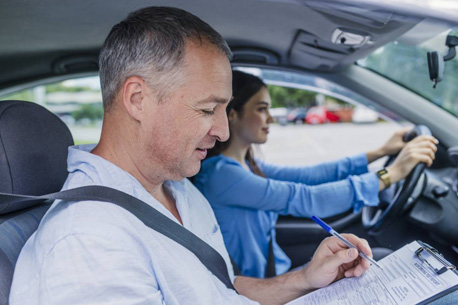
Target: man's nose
[220, 127]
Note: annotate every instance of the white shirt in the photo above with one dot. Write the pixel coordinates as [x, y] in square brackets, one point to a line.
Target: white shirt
[93, 252]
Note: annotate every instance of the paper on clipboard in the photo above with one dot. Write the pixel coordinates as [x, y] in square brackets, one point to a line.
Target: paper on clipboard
[404, 280]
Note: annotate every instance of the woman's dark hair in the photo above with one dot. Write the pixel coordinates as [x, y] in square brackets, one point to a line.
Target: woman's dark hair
[244, 86]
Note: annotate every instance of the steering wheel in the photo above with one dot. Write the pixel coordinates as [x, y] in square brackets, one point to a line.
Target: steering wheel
[403, 193]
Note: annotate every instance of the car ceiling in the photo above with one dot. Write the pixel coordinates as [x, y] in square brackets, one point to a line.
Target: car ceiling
[55, 37]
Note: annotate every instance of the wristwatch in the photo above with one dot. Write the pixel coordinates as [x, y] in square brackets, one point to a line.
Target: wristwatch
[385, 177]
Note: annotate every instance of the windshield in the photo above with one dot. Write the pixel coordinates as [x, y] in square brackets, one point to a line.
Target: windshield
[405, 62]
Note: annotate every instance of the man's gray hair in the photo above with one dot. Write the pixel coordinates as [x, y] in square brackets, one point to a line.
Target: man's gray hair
[150, 43]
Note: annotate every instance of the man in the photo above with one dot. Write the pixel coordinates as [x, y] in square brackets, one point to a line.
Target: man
[166, 80]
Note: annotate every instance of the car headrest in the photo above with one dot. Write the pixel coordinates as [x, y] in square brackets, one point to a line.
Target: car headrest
[33, 150]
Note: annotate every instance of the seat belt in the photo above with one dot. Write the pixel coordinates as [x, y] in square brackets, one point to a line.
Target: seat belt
[270, 267]
[235, 267]
[147, 214]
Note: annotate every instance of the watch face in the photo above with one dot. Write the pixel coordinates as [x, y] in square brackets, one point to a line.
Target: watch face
[382, 172]
[384, 176]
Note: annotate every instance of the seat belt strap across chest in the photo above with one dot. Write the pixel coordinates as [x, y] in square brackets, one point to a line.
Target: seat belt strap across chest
[147, 214]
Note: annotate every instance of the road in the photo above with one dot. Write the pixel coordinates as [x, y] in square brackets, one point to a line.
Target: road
[311, 144]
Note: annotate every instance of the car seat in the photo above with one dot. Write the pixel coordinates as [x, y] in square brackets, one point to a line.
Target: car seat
[33, 160]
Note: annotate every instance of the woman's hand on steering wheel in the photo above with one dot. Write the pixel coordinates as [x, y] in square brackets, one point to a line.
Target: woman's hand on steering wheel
[421, 149]
[406, 174]
[395, 143]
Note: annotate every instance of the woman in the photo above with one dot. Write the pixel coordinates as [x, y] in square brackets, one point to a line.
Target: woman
[247, 195]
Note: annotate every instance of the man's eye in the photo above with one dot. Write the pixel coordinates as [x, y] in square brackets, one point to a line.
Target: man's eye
[208, 112]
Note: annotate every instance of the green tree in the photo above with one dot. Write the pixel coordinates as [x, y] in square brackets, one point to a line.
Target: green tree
[290, 97]
[24, 95]
[92, 112]
[58, 87]
[407, 65]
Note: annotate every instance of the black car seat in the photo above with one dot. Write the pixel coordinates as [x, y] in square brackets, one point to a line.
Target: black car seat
[33, 160]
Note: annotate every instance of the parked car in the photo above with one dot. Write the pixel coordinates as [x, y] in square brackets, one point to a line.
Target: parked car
[374, 50]
[279, 114]
[363, 114]
[296, 116]
[320, 115]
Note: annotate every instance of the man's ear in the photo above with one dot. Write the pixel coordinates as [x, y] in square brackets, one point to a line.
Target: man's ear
[134, 93]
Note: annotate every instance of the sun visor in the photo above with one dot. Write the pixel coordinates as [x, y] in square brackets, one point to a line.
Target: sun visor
[312, 52]
[349, 36]
[364, 16]
[424, 31]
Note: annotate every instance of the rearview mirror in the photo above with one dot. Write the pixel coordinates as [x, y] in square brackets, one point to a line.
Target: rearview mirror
[435, 67]
[436, 61]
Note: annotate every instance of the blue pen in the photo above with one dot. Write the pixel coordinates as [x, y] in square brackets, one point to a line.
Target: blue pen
[343, 239]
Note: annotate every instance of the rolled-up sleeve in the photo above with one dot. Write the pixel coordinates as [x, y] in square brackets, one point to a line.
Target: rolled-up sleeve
[365, 190]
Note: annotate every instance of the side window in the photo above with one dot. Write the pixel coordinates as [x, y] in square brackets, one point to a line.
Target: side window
[77, 102]
[316, 121]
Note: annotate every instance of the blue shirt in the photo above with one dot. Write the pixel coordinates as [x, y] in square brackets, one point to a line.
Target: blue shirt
[94, 252]
[247, 206]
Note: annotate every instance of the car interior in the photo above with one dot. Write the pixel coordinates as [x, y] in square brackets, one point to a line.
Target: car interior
[44, 42]
[34, 145]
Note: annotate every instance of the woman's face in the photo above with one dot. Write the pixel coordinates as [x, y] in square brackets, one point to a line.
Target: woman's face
[252, 125]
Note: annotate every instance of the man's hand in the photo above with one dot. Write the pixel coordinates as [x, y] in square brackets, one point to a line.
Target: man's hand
[333, 260]
[421, 149]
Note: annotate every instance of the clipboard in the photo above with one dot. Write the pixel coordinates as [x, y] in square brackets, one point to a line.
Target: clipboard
[445, 266]
[415, 274]
[438, 256]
